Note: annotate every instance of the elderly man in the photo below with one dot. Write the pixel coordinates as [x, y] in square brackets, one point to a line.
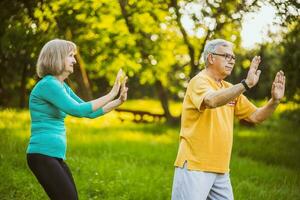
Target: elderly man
[209, 107]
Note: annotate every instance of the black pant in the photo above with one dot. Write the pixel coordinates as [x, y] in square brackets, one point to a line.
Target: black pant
[54, 175]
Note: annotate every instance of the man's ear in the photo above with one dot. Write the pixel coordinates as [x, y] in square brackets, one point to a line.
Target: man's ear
[210, 59]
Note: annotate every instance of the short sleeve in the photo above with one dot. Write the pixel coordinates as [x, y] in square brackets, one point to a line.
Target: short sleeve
[244, 108]
[199, 88]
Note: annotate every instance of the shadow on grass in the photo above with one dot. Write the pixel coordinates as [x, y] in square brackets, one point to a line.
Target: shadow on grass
[273, 144]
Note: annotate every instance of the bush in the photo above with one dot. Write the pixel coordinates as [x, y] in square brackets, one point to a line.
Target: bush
[291, 115]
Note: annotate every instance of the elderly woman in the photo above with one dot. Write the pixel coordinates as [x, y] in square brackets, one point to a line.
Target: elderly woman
[50, 101]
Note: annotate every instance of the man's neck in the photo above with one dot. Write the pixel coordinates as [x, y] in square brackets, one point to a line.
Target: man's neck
[213, 75]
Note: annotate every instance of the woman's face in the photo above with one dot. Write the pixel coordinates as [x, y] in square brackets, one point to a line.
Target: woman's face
[69, 62]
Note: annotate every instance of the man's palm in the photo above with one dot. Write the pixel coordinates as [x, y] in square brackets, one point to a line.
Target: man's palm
[278, 86]
[253, 73]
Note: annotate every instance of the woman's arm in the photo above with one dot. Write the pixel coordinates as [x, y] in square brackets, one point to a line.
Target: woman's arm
[100, 102]
[53, 92]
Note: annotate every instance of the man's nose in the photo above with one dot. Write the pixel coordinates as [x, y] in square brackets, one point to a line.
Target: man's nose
[232, 61]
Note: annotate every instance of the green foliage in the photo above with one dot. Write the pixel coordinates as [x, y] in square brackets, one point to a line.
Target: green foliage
[290, 61]
[145, 38]
[18, 50]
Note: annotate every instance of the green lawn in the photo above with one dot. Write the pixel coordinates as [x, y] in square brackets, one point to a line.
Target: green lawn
[114, 160]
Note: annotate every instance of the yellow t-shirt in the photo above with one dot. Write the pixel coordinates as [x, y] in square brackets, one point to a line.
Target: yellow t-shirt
[206, 134]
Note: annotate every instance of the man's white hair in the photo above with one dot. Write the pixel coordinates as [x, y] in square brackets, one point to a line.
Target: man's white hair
[212, 45]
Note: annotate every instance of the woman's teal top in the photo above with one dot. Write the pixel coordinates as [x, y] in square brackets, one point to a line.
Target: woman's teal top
[49, 103]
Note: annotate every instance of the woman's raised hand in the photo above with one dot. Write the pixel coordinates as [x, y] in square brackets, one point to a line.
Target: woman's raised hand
[115, 90]
[124, 89]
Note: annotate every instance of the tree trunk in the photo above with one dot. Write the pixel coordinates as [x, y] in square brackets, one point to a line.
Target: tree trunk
[23, 87]
[81, 78]
[2, 94]
[162, 93]
[191, 50]
[163, 97]
[84, 88]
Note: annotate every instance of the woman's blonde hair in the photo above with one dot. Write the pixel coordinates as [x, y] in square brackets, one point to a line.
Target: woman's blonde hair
[52, 57]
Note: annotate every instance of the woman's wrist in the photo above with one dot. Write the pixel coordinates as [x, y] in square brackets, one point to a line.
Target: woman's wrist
[118, 102]
[111, 105]
[111, 95]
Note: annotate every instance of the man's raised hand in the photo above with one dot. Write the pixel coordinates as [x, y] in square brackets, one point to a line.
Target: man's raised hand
[278, 86]
[253, 73]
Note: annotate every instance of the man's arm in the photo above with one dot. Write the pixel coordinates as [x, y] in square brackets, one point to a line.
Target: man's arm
[277, 92]
[224, 96]
[264, 112]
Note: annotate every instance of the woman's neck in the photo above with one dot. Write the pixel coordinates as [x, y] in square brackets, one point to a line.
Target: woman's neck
[61, 77]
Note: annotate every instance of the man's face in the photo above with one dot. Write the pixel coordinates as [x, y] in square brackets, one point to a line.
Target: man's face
[223, 61]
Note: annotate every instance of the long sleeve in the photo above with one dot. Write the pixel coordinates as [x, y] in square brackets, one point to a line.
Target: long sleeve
[55, 93]
[92, 115]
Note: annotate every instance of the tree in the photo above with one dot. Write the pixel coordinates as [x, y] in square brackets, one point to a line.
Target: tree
[290, 60]
[148, 39]
[18, 35]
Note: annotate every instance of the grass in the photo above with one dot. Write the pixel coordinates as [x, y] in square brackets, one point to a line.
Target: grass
[114, 160]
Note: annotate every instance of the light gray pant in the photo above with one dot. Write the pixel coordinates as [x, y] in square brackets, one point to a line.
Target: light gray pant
[199, 185]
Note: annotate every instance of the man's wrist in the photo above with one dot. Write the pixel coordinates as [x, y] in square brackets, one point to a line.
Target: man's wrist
[244, 83]
[275, 101]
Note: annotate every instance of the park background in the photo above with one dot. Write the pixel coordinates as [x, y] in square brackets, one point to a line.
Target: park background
[158, 44]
